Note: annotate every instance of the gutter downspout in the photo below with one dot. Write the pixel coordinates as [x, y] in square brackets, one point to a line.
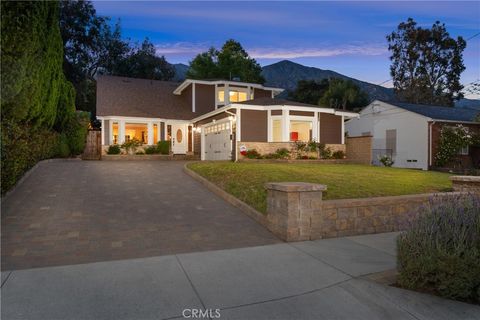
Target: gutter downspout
[430, 125]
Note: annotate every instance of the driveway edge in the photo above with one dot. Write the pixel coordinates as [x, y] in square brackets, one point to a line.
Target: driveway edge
[31, 170]
[245, 208]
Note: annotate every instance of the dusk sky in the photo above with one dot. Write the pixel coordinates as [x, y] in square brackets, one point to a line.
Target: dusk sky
[347, 37]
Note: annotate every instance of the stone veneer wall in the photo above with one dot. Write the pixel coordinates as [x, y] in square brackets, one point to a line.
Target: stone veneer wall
[359, 149]
[466, 183]
[296, 211]
[271, 147]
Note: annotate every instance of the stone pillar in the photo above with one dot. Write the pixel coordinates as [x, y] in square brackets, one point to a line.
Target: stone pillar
[466, 183]
[291, 207]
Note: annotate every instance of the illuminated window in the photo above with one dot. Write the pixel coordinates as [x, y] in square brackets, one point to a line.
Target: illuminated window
[300, 130]
[137, 131]
[221, 96]
[238, 96]
[156, 136]
[277, 130]
[115, 133]
[235, 96]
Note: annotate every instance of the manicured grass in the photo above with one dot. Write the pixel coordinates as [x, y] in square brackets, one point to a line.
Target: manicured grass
[246, 180]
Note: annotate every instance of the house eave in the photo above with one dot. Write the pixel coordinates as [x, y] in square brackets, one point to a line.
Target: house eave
[188, 82]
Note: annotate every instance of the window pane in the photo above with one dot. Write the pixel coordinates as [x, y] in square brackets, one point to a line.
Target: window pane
[115, 132]
[221, 96]
[277, 130]
[138, 131]
[300, 130]
[242, 96]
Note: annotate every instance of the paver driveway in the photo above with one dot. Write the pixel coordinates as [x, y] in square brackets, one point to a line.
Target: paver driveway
[69, 212]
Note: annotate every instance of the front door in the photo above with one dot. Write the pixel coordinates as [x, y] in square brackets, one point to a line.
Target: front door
[179, 138]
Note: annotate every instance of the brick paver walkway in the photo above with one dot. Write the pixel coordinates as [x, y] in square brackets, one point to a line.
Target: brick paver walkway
[71, 212]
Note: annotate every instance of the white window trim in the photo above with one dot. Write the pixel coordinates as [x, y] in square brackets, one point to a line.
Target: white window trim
[465, 151]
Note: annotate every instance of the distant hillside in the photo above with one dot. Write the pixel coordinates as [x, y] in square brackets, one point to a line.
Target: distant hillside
[286, 74]
[180, 71]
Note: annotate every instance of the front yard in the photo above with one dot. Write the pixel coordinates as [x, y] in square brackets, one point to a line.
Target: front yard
[246, 180]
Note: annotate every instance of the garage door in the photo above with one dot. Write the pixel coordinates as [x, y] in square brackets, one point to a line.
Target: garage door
[218, 145]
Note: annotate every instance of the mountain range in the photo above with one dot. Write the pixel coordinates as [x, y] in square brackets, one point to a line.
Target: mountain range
[286, 74]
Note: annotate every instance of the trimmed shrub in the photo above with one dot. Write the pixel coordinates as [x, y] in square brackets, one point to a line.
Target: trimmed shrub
[21, 148]
[114, 149]
[140, 153]
[339, 154]
[151, 150]
[325, 153]
[77, 132]
[253, 154]
[283, 153]
[62, 150]
[440, 252]
[163, 147]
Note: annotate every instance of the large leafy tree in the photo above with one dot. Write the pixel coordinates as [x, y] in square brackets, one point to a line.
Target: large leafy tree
[230, 62]
[143, 62]
[426, 64]
[309, 91]
[36, 98]
[92, 46]
[344, 94]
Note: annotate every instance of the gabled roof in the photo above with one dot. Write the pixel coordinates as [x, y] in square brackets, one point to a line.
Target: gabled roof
[130, 97]
[439, 112]
[232, 83]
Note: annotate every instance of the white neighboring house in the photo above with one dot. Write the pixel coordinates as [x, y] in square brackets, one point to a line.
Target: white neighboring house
[409, 132]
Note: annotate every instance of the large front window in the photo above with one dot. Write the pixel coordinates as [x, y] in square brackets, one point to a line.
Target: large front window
[234, 95]
[137, 131]
[300, 130]
[277, 130]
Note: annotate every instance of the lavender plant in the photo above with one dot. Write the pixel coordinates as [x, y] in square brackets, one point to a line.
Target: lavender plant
[440, 251]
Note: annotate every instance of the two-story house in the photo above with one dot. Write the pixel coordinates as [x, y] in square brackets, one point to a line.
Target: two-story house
[210, 118]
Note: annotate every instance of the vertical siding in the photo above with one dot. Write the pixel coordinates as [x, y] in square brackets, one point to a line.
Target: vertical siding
[204, 98]
[330, 128]
[260, 93]
[254, 125]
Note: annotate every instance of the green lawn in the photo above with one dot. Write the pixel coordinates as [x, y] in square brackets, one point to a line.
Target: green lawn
[246, 180]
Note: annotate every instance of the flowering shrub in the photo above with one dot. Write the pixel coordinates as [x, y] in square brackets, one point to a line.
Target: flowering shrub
[440, 251]
[132, 145]
[452, 139]
[386, 160]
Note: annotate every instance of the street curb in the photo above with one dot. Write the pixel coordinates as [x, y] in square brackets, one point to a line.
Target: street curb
[245, 208]
[30, 171]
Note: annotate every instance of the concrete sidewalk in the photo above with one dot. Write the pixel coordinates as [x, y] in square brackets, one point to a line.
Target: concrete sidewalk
[322, 279]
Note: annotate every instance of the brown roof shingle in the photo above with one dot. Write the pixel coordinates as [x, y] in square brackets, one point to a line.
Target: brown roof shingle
[130, 97]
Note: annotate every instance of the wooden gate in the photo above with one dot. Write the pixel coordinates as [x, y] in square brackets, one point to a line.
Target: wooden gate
[93, 147]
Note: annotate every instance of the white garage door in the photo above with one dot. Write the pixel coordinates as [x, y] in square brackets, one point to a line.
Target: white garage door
[218, 145]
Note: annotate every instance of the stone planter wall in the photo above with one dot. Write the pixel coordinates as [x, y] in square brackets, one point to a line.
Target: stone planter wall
[270, 147]
[466, 183]
[297, 212]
